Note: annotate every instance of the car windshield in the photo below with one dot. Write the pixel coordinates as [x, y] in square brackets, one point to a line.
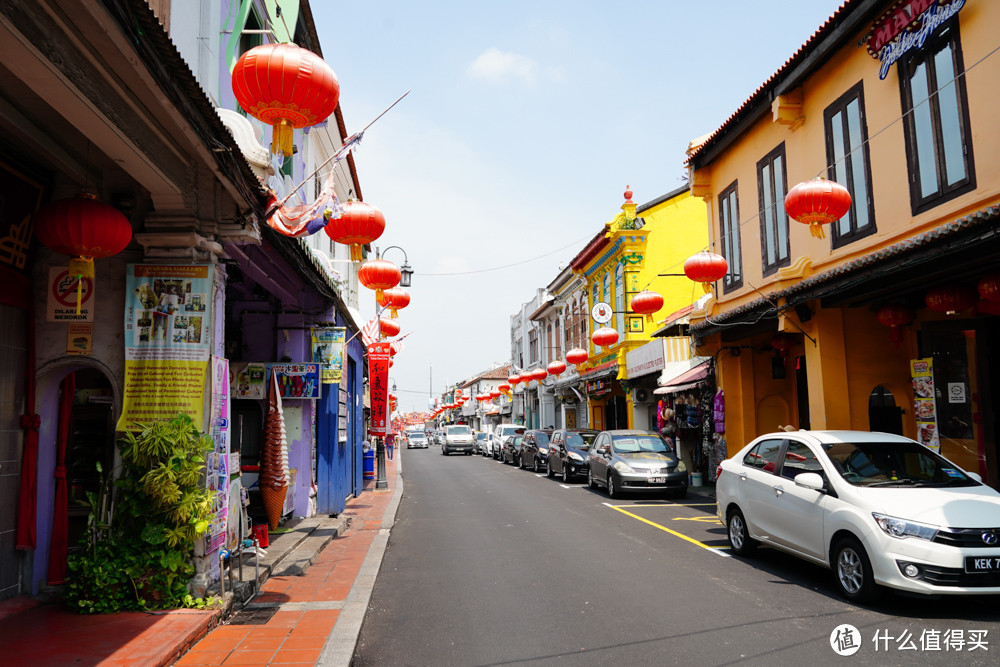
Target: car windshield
[580, 440]
[893, 464]
[510, 430]
[417, 436]
[630, 444]
[459, 430]
[541, 439]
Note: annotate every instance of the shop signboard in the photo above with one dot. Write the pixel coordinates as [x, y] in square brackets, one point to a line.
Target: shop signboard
[299, 380]
[906, 26]
[924, 402]
[328, 351]
[645, 359]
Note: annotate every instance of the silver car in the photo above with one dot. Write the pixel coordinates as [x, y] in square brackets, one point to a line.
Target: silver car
[637, 462]
[416, 440]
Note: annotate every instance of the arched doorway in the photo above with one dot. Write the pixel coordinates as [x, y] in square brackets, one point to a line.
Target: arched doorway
[883, 413]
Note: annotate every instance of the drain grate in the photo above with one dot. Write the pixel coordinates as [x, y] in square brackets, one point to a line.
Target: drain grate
[253, 616]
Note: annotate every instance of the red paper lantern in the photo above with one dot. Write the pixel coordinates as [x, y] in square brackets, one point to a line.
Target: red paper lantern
[539, 374]
[359, 224]
[706, 268]
[494, 393]
[286, 87]
[394, 299]
[577, 356]
[84, 229]
[816, 203]
[895, 316]
[390, 328]
[556, 367]
[379, 275]
[514, 379]
[504, 388]
[783, 343]
[646, 303]
[950, 299]
[989, 287]
[605, 337]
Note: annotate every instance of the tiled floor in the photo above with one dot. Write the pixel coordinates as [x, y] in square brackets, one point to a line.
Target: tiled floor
[53, 636]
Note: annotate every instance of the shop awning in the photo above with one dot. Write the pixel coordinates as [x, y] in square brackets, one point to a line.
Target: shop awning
[686, 380]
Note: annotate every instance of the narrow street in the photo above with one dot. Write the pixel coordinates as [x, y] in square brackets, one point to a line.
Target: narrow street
[488, 565]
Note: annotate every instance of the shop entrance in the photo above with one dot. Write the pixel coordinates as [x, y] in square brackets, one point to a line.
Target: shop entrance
[883, 413]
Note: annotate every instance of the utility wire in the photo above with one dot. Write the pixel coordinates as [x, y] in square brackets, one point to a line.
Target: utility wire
[507, 266]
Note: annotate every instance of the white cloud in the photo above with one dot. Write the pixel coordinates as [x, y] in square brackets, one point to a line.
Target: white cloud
[496, 65]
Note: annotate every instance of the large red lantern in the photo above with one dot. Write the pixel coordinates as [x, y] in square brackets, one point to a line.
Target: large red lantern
[646, 303]
[895, 316]
[539, 374]
[605, 337]
[514, 379]
[504, 388]
[989, 287]
[783, 343]
[577, 356]
[287, 87]
[556, 367]
[494, 393]
[389, 328]
[394, 299]
[379, 275]
[359, 224]
[950, 299]
[706, 268]
[816, 203]
[85, 229]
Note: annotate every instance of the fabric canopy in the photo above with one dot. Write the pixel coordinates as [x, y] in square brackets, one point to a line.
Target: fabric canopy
[686, 380]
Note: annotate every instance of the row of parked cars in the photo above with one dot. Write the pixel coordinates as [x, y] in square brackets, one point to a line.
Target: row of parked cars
[621, 461]
[881, 511]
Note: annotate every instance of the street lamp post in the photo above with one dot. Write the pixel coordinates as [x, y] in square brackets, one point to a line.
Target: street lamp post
[381, 482]
[405, 271]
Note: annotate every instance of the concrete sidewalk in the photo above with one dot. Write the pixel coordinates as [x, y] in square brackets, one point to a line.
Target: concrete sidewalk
[314, 582]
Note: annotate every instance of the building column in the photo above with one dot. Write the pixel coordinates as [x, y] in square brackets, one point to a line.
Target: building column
[826, 366]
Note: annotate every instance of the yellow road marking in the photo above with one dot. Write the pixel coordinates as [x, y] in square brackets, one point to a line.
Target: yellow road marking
[669, 505]
[667, 530]
[703, 519]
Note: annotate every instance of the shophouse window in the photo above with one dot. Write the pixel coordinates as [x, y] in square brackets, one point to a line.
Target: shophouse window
[849, 164]
[549, 342]
[729, 239]
[771, 188]
[558, 340]
[620, 298]
[607, 288]
[533, 346]
[938, 139]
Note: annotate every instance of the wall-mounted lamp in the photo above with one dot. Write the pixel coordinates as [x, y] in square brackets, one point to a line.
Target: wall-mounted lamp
[405, 271]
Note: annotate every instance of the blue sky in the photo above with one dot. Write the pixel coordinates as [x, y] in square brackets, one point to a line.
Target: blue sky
[525, 123]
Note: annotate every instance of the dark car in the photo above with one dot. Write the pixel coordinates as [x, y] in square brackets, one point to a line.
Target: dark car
[511, 449]
[568, 451]
[534, 449]
[635, 461]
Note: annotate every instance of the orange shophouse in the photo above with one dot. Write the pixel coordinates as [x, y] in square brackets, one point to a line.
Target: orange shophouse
[887, 321]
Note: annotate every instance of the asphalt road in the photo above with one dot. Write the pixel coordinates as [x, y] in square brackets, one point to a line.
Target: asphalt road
[491, 565]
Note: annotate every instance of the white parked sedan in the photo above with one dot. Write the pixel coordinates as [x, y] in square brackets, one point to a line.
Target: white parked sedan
[878, 509]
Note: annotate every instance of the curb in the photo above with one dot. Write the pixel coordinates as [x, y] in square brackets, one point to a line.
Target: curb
[339, 648]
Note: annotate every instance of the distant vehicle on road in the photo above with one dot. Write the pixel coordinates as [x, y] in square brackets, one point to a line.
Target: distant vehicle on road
[568, 451]
[535, 449]
[481, 442]
[416, 440]
[636, 462]
[457, 438]
[500, 433]
[511, 452]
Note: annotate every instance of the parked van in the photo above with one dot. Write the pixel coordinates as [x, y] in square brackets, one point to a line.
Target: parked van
[500, 433]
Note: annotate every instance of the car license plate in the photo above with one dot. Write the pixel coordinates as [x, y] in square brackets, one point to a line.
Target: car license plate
[657, 480]
[982, 563]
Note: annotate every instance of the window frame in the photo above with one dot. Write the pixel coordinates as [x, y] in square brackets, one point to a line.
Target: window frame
[775, 226]
[949, 33]
[729, 281]
[840, 105]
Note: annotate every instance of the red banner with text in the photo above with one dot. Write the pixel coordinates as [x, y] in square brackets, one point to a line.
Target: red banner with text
[378, 378]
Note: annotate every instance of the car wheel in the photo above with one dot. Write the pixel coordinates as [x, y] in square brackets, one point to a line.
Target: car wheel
[535, 467]
[549, 472]
[565, 474]
[739, 538]
[590, 479]
[853, 570]
[612, 491]
[443, 452]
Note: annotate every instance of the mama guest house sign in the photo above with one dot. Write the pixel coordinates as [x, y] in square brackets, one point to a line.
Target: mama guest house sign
[906, 26]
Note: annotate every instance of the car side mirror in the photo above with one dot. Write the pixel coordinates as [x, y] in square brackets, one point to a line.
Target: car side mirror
[975, 475]
[809, 480]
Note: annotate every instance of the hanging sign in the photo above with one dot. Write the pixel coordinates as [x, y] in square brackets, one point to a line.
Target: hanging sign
[328, 351]
[378, 376]
[61, 304]
[924, 405]
[80, 338]
[904, 27]
[601, 312]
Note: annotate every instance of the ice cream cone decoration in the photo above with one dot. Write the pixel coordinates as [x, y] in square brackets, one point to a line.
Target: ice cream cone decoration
[274, 475]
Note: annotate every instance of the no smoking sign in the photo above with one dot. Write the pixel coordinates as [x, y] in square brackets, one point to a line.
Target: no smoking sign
[62, 295]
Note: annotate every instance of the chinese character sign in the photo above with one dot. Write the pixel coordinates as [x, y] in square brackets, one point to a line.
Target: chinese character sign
[378, 376]
[297, 380]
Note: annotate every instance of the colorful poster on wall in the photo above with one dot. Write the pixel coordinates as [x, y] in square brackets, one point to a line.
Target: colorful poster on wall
[248, 379]
[328, 351]
[297, 380]
[168, 318]
[924, 402]
[378, 376]
[217, 473]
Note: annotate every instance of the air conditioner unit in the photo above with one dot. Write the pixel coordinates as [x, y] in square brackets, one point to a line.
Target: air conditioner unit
[641, 395]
